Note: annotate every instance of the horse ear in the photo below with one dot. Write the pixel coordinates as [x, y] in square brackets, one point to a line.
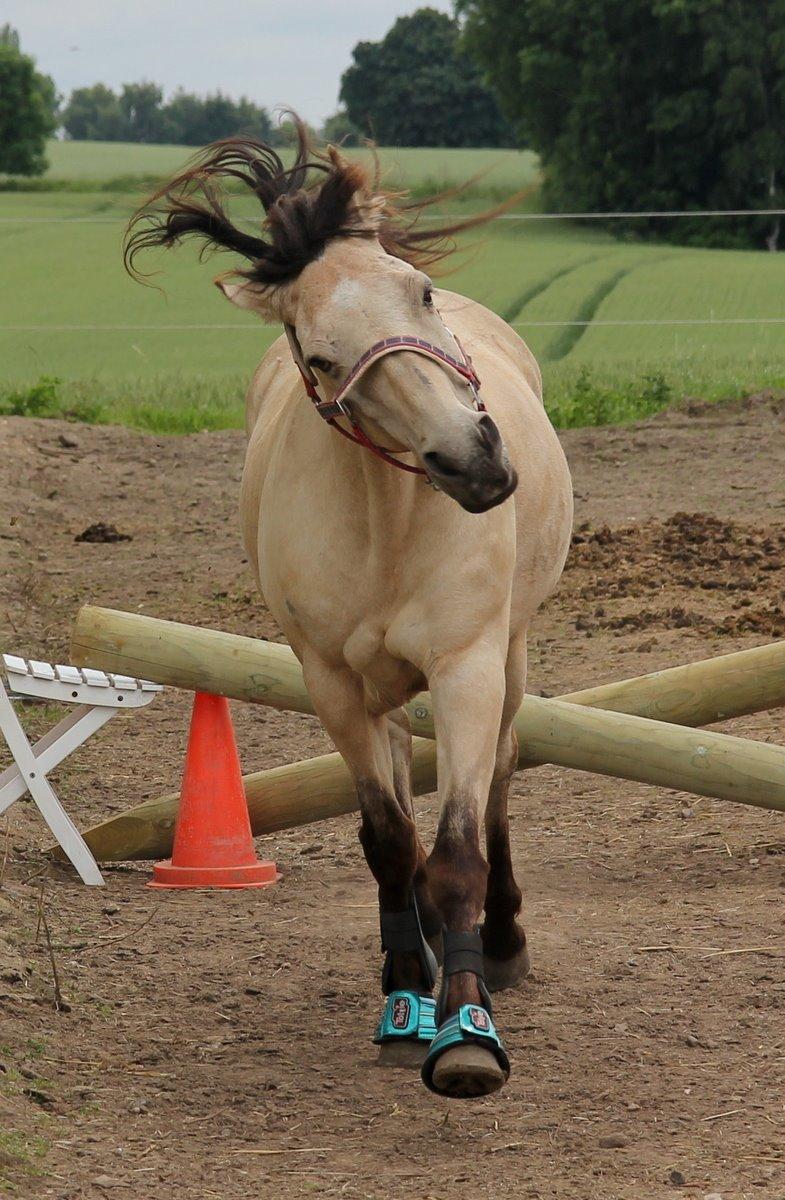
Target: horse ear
[261, 300]
[366, 209]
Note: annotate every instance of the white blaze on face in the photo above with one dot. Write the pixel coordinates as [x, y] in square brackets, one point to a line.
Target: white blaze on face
[346, 296]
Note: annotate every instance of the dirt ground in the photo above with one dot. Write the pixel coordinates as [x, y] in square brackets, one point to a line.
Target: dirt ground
[218, 1044]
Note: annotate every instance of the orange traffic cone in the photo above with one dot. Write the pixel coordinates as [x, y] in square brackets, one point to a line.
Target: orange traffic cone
[213, 846]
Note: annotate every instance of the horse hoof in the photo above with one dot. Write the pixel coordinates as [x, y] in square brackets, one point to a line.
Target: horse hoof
[402, 1054]
[467, 1071]
[501, 973]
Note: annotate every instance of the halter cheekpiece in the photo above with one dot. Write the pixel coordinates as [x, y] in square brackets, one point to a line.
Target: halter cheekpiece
[335, 407]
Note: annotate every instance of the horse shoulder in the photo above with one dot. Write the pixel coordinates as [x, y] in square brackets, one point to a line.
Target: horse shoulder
[543, 500]
[272, 387]
[271, 382]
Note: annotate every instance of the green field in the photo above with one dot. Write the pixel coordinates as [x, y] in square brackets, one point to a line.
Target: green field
[180, 358]
[503, 171]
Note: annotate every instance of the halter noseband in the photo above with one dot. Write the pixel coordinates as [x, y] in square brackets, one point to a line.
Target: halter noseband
[335, 407]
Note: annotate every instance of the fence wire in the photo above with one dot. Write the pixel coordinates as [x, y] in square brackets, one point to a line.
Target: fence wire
[665, 214]
[675, 321]
[534, 216]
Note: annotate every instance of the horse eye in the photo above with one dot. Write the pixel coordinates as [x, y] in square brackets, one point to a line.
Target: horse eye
[321, 364]
[427, 297]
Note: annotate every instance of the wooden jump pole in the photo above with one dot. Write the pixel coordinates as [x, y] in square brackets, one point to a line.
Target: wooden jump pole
[570, 735]
[260, 672]
[620, 743]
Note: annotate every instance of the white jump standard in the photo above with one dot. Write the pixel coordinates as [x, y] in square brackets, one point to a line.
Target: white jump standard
[98, 697]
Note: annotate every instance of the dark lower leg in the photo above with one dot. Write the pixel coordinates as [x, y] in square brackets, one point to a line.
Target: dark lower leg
[389, 840]
[458, 873]
[504, 941]
[401, 749]
[502, 936]
[387, 833]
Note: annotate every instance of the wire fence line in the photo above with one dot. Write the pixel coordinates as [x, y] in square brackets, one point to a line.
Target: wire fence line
[61, 220]
[519, 216]
[670, 322]
[574, 216]
[643, 321]
[627, 216]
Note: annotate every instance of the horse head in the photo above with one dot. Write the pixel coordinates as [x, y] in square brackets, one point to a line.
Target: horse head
[341, 265]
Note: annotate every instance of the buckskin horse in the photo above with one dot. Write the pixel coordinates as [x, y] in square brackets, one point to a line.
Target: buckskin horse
[404, 522]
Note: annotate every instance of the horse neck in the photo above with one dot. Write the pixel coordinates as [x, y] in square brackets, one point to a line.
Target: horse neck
[388, 496]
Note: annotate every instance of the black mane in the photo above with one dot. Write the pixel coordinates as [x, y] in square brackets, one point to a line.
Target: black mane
[319, 198]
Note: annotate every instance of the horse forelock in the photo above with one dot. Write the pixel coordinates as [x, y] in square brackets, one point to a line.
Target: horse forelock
[299, 224]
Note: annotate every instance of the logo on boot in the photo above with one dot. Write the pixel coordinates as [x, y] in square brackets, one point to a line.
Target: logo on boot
[401, 1011]
[480, 1019]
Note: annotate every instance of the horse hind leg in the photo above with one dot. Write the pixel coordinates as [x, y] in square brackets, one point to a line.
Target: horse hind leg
[504, 941]
[401, 750]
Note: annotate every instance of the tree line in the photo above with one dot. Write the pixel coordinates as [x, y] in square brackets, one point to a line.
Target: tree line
[630, 104]
[138, 113]
[415, 87]
[28, 108]
[645, 104]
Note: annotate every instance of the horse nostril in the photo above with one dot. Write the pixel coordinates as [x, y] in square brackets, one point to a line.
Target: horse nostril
[439, 464]
[489, 434]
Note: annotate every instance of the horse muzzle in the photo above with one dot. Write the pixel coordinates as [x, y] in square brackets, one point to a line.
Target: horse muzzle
[482, 478]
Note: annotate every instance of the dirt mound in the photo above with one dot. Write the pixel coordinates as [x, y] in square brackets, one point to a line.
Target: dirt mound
[735, 566]
[769, 400]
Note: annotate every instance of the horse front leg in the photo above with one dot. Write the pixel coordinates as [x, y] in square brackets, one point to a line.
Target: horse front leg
[389, 840]
[466, 1058]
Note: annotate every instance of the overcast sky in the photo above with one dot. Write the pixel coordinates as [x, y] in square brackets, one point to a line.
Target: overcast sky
[289, 52]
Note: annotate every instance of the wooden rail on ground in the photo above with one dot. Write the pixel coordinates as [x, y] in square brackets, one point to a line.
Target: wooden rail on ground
[632, 729]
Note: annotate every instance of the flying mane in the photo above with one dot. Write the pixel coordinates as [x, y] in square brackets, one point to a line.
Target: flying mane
[320, 197]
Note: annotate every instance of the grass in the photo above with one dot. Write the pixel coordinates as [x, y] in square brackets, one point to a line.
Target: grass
[117, 166]
[79, 338]
[177, 405]
[20, 1159]
[590, 401]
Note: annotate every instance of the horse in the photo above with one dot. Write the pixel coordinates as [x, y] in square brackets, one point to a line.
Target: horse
[404, 521]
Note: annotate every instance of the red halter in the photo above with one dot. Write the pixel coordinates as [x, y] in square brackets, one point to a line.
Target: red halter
[331, 409]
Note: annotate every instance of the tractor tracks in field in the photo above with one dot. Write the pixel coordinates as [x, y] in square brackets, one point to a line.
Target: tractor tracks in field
[566, 339]
[516, 306]
[580, 320]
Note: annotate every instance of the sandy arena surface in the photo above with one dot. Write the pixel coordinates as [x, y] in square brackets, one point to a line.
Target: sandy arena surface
[217, 1045]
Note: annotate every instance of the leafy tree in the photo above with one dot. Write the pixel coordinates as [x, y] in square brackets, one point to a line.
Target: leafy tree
[417, 88]
[222, 117]
[494, 34]
[183, 119]
[141, 108]
[93, 114]
[196, 120]
[253, 119]
[340, 130]
[139, 114]
[9, 37]
[28, 104]
[645, 104]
